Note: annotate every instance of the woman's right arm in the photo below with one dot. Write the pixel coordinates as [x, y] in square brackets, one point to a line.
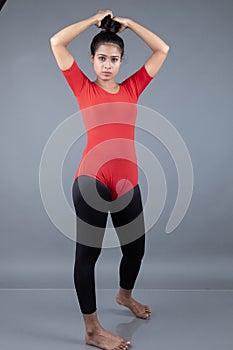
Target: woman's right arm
[60, 40]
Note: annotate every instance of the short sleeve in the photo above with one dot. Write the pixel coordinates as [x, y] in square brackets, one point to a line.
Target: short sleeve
[139, 80]
[75, 78]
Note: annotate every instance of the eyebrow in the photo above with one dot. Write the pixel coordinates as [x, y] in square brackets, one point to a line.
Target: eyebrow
[102, 54]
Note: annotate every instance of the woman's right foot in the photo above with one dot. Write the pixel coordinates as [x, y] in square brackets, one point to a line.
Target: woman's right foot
[105, 340]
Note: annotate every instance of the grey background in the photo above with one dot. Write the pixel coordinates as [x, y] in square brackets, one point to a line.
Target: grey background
[192, 90]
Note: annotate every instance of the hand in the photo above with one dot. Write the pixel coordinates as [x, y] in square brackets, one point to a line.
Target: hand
[100, 15]
[123, 22]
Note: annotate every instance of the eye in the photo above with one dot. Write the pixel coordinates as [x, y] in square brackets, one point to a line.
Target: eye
[114, 59]
[101, 58]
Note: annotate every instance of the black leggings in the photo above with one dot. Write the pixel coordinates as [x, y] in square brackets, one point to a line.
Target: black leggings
[91, 216]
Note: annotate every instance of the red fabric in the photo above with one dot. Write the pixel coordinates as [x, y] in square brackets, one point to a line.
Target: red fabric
[109, 155]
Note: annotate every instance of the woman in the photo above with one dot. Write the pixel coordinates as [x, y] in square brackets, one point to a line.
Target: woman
[114, 175]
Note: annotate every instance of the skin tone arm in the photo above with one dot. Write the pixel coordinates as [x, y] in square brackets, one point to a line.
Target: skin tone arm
[60, 40]
[158, 46]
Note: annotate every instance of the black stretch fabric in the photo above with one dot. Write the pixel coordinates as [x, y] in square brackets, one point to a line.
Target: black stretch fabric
[92, 202]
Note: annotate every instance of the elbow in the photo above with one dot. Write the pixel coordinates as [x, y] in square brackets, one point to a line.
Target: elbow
[164, 50]
[53, 41]
[167, 49]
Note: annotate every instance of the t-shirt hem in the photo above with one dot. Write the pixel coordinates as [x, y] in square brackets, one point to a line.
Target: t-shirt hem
[69, 69]
[146, 73]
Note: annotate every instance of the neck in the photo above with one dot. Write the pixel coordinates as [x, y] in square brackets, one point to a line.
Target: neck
[110, 84]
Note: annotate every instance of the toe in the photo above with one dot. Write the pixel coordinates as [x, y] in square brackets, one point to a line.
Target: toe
[123, 347]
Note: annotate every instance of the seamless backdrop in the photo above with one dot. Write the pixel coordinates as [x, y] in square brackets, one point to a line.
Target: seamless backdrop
[193, 90]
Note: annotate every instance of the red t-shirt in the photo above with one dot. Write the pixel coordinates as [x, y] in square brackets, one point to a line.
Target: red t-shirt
[109, 118]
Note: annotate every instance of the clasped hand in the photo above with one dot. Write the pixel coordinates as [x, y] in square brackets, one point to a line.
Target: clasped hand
[102, 13]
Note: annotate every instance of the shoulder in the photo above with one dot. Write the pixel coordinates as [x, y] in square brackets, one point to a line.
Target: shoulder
[137, 81]
[141, 72]
[76, 78]
[73, 69]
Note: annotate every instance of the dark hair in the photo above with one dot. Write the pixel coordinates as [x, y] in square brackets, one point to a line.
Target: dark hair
[108, 35]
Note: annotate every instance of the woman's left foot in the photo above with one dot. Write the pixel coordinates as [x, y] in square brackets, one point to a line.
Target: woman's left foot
[139, 310]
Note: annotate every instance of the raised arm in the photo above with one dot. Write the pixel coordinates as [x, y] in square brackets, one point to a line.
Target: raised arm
[158, 46]
[60, 40]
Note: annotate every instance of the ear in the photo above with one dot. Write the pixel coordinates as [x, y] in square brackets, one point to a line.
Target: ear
[92, 58]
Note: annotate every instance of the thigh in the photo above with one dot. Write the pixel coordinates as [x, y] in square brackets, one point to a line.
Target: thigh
[128, 221]
[91, 200]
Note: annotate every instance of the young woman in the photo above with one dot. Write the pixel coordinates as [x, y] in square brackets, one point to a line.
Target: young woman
[108, 163]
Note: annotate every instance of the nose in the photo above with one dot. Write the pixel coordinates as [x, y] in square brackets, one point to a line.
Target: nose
[107, 64]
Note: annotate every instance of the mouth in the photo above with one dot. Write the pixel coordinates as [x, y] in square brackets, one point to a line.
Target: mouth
[107, 73]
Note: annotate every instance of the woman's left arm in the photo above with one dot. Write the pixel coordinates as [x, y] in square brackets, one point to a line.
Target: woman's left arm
[158, 46]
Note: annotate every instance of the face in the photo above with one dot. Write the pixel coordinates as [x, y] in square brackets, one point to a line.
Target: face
[107, 61]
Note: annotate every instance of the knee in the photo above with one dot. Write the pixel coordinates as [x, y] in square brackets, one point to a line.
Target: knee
[138, 256]
[134, 250]
[135, 255]
[84, 266]
[85, 258]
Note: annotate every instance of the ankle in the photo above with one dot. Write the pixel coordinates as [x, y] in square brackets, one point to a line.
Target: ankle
[91, 323]
[91, 331]
[125, 293]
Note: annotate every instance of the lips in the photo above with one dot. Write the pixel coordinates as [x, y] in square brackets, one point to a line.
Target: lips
[107, 73]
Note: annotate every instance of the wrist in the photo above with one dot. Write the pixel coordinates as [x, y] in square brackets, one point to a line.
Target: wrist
[93, 20]
[129, 23]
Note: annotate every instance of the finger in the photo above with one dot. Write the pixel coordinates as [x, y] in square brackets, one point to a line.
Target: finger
[110, 13]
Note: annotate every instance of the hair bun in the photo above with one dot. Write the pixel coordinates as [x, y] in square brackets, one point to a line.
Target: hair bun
[110, 25]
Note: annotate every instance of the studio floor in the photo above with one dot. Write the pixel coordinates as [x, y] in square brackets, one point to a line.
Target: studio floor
[47, 319]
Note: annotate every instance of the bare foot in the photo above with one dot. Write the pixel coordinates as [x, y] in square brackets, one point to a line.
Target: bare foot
[105, 340]
[139, 310]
